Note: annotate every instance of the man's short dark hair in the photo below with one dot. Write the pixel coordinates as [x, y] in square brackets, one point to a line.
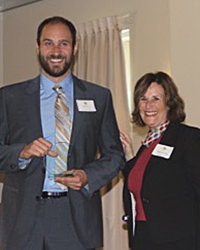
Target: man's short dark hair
[55, 20]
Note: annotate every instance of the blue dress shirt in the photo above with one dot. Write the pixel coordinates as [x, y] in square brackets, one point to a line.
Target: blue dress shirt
[47, 100]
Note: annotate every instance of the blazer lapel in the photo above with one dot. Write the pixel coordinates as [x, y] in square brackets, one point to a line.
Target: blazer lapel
[169, 139]
[33, 108]
[79, 93]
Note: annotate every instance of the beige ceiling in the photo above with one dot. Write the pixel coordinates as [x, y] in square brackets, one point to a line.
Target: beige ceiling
[10, 4]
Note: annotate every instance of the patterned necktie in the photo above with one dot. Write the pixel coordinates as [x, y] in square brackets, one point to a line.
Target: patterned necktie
[63, 125]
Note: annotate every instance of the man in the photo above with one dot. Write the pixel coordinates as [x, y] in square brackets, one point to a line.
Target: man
[63, 213]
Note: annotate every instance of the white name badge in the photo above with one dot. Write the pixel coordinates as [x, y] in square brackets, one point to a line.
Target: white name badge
[86, 105]
[163, 151]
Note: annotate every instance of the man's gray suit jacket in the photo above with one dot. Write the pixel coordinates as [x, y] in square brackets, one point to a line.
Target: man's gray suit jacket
[20, 124]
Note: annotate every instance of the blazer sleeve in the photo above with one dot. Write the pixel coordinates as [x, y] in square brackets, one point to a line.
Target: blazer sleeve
[111, 160]
[191, 156]
[9, 154]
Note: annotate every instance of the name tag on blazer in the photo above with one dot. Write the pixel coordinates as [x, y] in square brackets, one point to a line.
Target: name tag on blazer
[163, 151]
[86, 105]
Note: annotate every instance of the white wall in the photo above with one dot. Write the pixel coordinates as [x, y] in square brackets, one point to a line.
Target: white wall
[185, 54]
[150, 37]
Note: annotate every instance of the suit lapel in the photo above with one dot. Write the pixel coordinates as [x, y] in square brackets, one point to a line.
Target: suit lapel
[79, 93]
[33, 108]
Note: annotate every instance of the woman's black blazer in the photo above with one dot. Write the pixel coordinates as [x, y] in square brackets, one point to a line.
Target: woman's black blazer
[171, 187]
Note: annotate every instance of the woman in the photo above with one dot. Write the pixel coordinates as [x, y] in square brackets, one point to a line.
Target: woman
[164, 176]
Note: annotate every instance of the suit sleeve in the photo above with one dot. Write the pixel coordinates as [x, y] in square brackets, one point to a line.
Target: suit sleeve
[9, 153]
[111, 159]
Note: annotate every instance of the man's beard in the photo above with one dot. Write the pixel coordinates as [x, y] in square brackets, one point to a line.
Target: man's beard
[54, 71]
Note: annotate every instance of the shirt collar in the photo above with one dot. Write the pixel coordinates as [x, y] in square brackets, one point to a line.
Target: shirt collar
[46, 84]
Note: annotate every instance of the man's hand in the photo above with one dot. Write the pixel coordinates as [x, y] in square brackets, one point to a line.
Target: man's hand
[38, 148]
[75, 181]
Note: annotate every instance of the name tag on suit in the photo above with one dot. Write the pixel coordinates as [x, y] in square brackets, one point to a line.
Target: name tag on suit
[86, 106]
[163, 151]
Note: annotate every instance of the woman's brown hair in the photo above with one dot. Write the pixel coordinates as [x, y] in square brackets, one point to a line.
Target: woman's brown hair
[174, 102]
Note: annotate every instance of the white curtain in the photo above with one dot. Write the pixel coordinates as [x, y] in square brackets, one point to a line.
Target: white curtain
[100, 59]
